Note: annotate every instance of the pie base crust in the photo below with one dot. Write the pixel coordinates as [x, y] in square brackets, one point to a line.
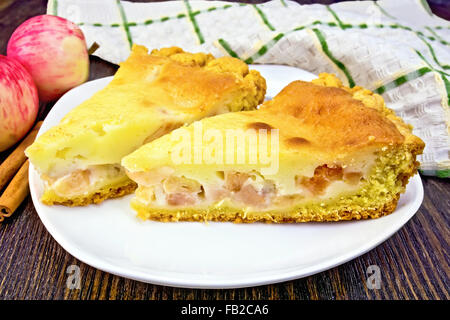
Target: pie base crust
[107, 192]
[239, 216]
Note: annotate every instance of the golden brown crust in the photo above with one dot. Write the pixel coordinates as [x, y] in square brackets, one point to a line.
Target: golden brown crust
[336, 120]
[189, 82]
[239, 216]
[185, 58]
[374, 101]
[99, 196]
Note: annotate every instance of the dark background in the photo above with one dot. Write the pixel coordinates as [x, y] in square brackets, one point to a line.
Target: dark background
[413, 262]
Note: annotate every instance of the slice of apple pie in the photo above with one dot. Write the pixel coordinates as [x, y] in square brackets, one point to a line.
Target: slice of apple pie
[319, 151]
[150, 95]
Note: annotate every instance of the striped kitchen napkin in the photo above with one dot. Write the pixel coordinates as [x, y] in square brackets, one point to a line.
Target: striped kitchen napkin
[396, 48]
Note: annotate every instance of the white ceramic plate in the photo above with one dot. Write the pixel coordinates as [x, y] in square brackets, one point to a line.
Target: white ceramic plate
[214, 255]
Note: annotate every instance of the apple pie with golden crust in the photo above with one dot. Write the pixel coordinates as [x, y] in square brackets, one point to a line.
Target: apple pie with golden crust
[342, 155]
[150, 95]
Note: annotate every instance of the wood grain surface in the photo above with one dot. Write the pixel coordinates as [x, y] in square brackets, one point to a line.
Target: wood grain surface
[414, 263]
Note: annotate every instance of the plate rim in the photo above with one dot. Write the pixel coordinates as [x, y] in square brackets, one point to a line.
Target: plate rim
[261, 279]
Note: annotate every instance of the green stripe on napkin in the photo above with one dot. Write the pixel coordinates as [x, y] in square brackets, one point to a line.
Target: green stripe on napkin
[338, 63]
[125, 22]
[402, 79]
[263, 17]
[194, 22]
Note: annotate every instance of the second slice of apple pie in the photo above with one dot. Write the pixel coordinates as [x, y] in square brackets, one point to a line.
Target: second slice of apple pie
[150, 95]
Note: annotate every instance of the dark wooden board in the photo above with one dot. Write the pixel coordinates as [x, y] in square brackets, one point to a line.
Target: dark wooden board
[413, 263]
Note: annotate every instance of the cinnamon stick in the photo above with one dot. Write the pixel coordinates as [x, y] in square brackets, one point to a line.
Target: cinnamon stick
[15, 193]
[17, 158]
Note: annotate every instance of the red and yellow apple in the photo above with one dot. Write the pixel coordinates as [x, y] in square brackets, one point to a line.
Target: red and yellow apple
[54, 52]
[19, 102]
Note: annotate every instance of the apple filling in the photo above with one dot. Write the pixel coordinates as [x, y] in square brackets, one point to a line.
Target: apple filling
[323, 176]
[84, 181]
[160, 187]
